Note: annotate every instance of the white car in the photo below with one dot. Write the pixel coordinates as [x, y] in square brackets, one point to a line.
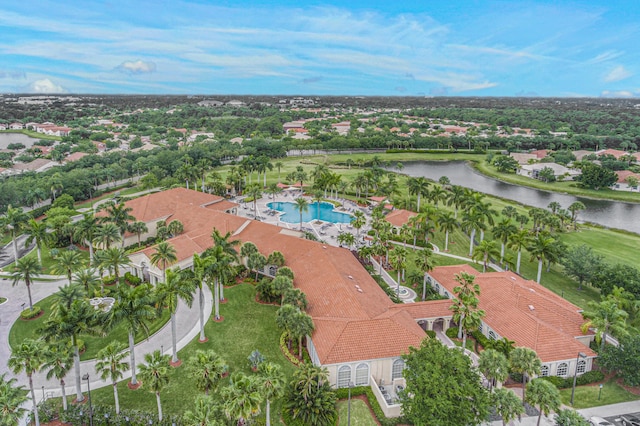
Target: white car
[599, 421]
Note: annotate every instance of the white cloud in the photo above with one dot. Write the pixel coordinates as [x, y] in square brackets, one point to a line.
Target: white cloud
[45, 86]
[137, 67]
[617, 74]
[605, 56]
[619, 94]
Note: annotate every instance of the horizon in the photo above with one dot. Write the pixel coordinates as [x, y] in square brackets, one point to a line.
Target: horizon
[481, 48]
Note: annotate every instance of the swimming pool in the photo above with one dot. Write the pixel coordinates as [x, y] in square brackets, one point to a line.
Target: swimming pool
[322, 211]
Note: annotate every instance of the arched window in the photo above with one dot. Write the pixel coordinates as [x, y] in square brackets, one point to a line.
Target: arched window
[362, 374]
[438, 288]
[273, 270]
[562, 369]
[396, 371]
[344, 376]
[582, 366]
[492, 335]
[544, 371]
[446, 294]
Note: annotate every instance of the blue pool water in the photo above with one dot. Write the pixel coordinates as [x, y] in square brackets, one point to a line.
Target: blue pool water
[323, 211]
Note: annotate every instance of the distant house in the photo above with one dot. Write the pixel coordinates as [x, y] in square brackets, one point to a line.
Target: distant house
[523, 158]
[621, 184]
[614, 152]
[399, 217]
[559, 171]
[75, 157]
[16, 126]
[3, 126]
[38, 165]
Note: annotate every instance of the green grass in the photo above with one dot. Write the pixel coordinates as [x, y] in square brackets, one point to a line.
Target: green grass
[29, 329]
[587, 396]
[3, 299]
[48, 262]
[360, 413]
[247, 326]
[33, 134]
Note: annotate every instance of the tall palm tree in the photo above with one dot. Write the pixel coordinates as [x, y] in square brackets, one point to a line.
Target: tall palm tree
[447, 223]
[545, 395]
[66, 295]
[13, 222]
[254, 191]
[204, 414]
[67, 262]
[272, 382]
[502, 232]
[218, 269]
[418, 186]
[134, 308]
[106, 235]
[526, 362]
[28, 357]
[58, 360]
[113, 259]
[206, 368]
[110, 365]
[484, 251]
[542, 247]
[197, 276]
[12, 398]
[165, 255]
[25, 270]
[456, 198]
[519, 240]
[138, 228]
[507, 405]
[494, 365]
[399, 261]
[359, 220]
[86, 278]
[302, 327]
[119, 215]
[471, 222]
[574, 208]
[168, 294]
[425, 263]
[228, 247]
[242, 398]
[87, 229]
[605, 317]
[37, 231]
[278, 165]
[69, 321]
[302, 205]
[155, 375]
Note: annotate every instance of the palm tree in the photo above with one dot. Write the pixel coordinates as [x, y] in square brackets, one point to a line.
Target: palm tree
[502, 232]
[66, 295]
[359, 220]
[278, 165]
[302, 326]
[12, 398]
[418, 186]
[447, 223]
[494, 365]
[69, 321]
[110, 365]
[175, 227]
[605, 317]
[67, 263]
[164, 255]
[347, 239]
[86, 230]
[519, 240]
[28, 357]
[86, 278]
[541, 248]
[134, 308]
[119, 215]
[526, 362]
[456, 198]
[206, 368]
[242, 398]
[272, 382]
[285, 317]
[545, 395]
[138, 228]
[254, 192]
[37, 231]
[425, 263]
[25, 270]
[256, 262]
[168, 294]
[204, 414]
[507, 405]
[106, 235]
[302, 205]
[58, 360]
[574, 209]
[228, 247]
[197, 277]
[484, 251]
[113, 259]
[155, 375]
[399, 261]
[13, 222]
[471, 222]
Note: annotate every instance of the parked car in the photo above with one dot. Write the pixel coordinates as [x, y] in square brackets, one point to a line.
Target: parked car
[599, 421]
[629, 420]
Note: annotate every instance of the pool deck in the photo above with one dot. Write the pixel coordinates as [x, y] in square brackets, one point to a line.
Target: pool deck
[326, 232]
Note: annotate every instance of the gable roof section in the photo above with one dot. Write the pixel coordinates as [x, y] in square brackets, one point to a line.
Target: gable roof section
[399, 217]
[524, 311]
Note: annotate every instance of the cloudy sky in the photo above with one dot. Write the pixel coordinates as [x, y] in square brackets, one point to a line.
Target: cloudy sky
[354, 47]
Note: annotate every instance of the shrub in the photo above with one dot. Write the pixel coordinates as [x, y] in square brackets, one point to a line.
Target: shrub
[592, 376]
[109, 280]
[481, 340]
[28, 314]
[452, 332]
[131, 279]
[558, 382]
[431, 334]
[285, 349]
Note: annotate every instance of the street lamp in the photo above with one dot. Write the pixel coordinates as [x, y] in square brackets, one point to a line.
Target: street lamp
[575, 375]
[349, 406]
[86, 377]
[600, 392]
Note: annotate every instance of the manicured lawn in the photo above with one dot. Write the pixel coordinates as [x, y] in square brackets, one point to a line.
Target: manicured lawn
[247, 326]
[29, 329]
[587, 396]
[360, 414]
[48, 262]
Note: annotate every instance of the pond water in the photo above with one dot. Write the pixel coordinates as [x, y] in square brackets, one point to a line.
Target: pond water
[9, 138]
[611, 214]
[322, 211]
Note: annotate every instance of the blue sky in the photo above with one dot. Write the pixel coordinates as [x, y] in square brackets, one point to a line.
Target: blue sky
[417, 47]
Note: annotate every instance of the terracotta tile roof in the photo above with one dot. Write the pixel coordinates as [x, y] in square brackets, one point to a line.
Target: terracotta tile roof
[624, 174]
[524, 311]
[75, 156]
[399, 217]
[615, 152]
[428, 309]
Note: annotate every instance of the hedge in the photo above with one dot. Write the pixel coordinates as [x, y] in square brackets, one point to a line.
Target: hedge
[31, 313]
[285, 349]
[581, 380]
[452, 332]
[431, 334]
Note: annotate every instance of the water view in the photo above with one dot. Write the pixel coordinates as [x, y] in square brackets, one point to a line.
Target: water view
[316, 211]
[9, 138]
[611, 214]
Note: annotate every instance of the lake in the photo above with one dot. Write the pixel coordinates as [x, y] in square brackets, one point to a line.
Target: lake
[610, 214]
[9, 138]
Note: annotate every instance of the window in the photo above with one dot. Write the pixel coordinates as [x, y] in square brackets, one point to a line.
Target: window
[562, 369]
[362, 375]
[344, 376]
[438, 288]
[273, 270]
[396, 371]
[544, 371]
[582, 366]
[492, 335]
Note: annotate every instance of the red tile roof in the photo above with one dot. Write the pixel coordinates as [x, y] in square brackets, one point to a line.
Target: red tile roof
[399, 217]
